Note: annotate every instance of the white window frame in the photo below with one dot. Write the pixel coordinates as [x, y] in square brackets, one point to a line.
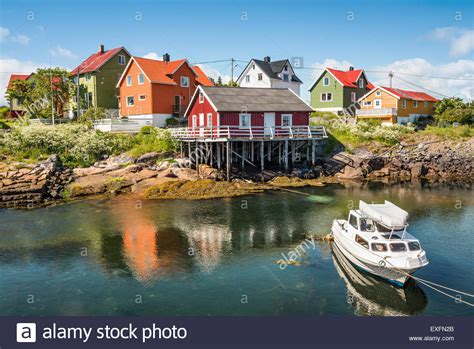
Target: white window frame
[142, 97]
[367, 103]
[328, 81]
[241, 115]
[353, 97]
[185, 78]
[87, 76]
[287, 77]
[201, 97]
[247, 78]
[194, 121]
[404, 103]
[121, 59]
[290, 123]
[260, 76]
[326, 94]
[361, 83]
[378, 103]
[143, 76]
[415, 104]
[133, 101]
[129, 80]
[378, 93]
[209, 119]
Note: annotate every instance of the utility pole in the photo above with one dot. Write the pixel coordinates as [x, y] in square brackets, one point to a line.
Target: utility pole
[390, 75]
[232, 70]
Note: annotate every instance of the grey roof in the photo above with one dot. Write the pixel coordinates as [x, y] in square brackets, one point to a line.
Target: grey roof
[237, 99]
[273, 68]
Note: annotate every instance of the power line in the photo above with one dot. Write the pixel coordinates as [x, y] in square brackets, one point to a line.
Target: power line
[423, 88]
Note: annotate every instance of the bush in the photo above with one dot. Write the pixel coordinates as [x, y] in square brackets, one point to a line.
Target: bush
[172, 122]
[464, 116]
[75, 144]
[152, 139]
[92, 114]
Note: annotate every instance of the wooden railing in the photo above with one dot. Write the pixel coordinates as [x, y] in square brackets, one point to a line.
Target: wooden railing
[254, 132]
[375, 112]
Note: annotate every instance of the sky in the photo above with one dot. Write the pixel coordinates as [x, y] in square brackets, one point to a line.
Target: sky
[426, 38]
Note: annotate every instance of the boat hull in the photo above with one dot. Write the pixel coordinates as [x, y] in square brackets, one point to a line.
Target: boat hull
[389, 274]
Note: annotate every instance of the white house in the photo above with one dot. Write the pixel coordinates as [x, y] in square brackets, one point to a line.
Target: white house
[268, 74]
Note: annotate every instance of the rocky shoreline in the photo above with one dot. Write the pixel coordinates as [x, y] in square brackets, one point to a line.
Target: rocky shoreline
[160, 176]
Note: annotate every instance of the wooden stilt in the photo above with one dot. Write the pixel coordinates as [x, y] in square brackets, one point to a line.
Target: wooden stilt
[243, 155]
[269, 151]
[197, 151]
[293, 153]
[285, 156]
[218, 150]
[279, 153]
[228, 160]
[262, 157]
[211, 154]
[252, 150]
[313, 153]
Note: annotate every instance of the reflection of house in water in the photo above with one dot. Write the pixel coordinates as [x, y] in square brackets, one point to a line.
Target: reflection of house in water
[142, 249]
[371, 296]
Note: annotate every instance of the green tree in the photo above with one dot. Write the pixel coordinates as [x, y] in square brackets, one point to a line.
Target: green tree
[92, 114]
[448, 103]
[464, 116]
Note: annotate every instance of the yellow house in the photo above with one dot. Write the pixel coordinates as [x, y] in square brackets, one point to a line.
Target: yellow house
[394, 106]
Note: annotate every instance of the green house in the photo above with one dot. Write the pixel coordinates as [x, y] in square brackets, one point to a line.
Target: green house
[338, 91]
[98, 77]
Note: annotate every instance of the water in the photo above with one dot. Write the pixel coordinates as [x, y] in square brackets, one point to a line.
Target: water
[122, 256]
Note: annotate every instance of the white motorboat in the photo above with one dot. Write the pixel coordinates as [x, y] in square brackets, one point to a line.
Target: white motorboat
[375, 239]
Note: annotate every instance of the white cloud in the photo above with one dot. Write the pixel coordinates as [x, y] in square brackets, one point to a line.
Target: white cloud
[59, 51]
[318, 68]
[153, 55]
[11, 65]
[461, 40]
[6, 36]
[460, 69]
[214, 73]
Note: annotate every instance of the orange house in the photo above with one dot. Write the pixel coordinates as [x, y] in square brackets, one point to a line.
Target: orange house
[395, 106]
[158, 90]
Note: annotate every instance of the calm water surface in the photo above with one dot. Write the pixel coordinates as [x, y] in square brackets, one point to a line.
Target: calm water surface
[121, 256]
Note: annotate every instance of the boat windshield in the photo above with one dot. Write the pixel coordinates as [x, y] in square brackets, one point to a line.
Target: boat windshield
[367, 225]
[382, 228]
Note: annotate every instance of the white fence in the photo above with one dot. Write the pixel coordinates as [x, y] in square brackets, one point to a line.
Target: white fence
[377, 112]
[122, 125]
[254, 132]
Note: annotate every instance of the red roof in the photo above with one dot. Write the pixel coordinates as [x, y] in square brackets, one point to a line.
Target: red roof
[95, 61]
[159, 71]
[348, 78]
[15, 77]
[417, 96]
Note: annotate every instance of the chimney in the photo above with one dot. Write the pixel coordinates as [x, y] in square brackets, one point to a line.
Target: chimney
[266, 59]
[351, 68]
[166, 57]
[101, 48]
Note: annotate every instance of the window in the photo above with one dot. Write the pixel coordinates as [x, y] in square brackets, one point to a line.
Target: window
[260, 76]
[286, 68]
[201, 97]
[414, 246]
[286, 120]
[184, 81]
[121, 59]
[286, 77]
[326, 97]
[194, 121]
[367, 103]
[353, 96]
[398, 247]
[129, 80]
[353, 221]
[378, 93]
[88, 76]
[415, 104]
[379, 247]
[247, 78]
[244, 120]
[253, 66]
[362, 242]
[404, 103]
[425, 103]
[326, 82]
[141, 97]
[141, 79]
[377, 103]
[130, 101]
[367, 225]
[361, 83]
[209, 119]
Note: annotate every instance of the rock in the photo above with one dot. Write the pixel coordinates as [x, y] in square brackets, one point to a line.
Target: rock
[148, 157]
[169, 174]
[121, 159]
[207, 172]
[418, 170]
[351, 173]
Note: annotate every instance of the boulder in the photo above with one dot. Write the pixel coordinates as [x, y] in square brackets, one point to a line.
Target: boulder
[351, 173]
[417, 170]
[148, 157]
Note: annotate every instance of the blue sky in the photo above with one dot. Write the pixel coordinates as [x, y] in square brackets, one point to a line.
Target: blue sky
[429, 38]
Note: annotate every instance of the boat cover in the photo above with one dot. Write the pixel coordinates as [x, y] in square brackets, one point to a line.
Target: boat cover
[387, 214]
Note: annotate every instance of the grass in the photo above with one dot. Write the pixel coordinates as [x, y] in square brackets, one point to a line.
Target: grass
[460, 132]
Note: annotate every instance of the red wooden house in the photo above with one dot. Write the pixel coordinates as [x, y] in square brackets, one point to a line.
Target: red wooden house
[237, 112]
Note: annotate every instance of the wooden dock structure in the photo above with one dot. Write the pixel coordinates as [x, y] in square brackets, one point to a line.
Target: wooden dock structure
[256, 146]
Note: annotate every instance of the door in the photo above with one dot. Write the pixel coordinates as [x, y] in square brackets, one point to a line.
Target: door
[269, 123]
[201, 124]
[177, 104]
[377, 104]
